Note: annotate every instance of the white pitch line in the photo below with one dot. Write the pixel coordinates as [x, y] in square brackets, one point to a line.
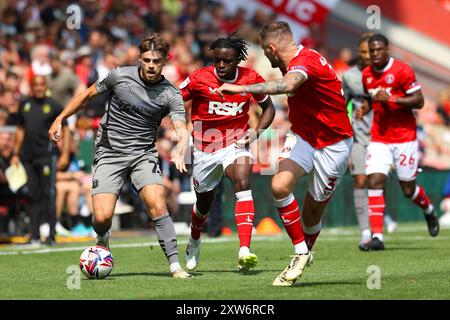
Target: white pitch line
[129, 245]
[281, 237]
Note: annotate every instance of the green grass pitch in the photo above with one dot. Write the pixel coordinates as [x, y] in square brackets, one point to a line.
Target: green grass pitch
[413, 266]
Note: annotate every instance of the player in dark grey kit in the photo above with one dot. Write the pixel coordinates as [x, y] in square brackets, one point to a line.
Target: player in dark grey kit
[139, 97]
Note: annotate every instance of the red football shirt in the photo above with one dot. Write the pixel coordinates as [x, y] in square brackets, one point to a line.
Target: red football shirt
[218, 122]
[392, 123]
[317, 109]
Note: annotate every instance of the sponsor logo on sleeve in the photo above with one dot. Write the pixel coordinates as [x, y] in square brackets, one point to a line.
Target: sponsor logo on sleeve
[303, 68]
[185, 83]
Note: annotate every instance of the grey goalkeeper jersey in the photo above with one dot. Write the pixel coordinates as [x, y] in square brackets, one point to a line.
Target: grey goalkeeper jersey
[353, 90]
[135, 110]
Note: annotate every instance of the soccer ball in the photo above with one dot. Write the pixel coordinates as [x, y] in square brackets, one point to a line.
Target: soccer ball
[96, 262]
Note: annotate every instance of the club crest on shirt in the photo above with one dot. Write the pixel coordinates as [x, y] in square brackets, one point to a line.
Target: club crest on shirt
[211, 90]
[27, 107]
[389, 78]
[46, 108]
[369, 80]
[46, 171]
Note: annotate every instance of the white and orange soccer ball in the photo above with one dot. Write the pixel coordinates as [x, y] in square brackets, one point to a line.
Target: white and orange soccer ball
[96, 262]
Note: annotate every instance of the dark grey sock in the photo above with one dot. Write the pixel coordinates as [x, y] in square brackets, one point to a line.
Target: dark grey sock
[166, 237]
[361, 206]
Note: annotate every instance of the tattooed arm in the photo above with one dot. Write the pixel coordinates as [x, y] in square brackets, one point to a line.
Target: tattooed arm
[289, 83]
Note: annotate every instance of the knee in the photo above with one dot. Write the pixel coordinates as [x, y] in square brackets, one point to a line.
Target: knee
[157, 207]
[102, 214]
[101, 218]
[160, 208]
[280, 189]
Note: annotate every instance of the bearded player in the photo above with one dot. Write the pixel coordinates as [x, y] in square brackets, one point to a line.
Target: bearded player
[322, 138]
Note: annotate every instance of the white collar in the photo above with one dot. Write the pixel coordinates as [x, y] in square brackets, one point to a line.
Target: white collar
[300, 48]
[387, 67]
[225, 80]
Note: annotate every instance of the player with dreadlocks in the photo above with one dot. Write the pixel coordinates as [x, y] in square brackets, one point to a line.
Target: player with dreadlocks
[221, 142]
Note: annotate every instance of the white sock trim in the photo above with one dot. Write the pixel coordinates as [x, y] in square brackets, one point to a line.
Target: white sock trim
[281, 203]
[244, 195]
[196, 242]
[416, 193]
[360, 192]
[243, 251]
[313, 229]
[375, 192]
[378, 235]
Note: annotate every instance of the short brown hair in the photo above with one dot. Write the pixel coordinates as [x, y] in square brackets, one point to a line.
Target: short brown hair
[154, 42]
[277, 28]
[366, 36]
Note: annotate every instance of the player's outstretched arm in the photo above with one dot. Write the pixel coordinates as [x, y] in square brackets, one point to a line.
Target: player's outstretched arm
[74, 105]
[288, 84]
[183, 138]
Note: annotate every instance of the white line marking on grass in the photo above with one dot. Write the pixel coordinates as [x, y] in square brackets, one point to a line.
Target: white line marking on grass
[400, 229]
[328, 235]
[131, 245]
[389, 238]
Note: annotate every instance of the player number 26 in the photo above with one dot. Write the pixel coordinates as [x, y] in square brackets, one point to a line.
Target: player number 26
[403, 158]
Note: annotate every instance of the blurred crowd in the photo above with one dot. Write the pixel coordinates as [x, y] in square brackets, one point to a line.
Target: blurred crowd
[41, 38]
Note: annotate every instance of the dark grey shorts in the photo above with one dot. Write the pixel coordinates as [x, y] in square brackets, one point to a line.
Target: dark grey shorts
[111, 168]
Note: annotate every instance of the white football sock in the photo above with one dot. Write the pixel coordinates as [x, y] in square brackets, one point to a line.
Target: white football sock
[243, 251]
[301, 248]
[174, 266]
[378, 235]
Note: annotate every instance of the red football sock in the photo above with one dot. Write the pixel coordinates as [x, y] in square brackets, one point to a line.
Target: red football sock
[311, 234]
[290, 216]
[376, 210]
[421, 199]
[197, 224]
[244, 212]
